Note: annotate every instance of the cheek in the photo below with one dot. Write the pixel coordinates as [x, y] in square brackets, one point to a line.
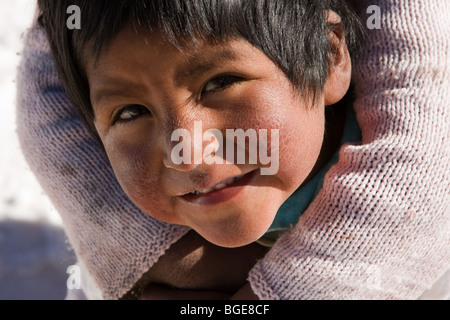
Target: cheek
[132, 167]
[136, 166]
[301, 131]
[300, 146]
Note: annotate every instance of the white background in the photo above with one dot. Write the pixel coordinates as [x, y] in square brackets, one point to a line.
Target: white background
[34, 255]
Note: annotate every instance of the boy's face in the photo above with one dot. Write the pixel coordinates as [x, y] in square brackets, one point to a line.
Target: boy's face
[232, 85]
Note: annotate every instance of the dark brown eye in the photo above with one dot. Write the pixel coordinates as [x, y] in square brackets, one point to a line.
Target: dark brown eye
[220, 82]
[130, 112]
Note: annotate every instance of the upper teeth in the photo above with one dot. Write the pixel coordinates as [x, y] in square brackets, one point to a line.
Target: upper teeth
[217, 187]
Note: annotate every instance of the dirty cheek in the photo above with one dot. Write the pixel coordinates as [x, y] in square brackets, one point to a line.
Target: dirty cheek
[300, 132]
[136, 167]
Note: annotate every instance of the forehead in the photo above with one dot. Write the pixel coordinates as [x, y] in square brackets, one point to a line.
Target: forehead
[144, 46]
[133, 38]
[141, 56]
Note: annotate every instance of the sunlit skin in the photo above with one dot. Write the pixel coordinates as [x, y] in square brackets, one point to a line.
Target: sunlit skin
[226, 86]
[229, 85]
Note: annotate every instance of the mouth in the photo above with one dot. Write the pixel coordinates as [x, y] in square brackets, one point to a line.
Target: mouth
[218, 186]
[221, 192]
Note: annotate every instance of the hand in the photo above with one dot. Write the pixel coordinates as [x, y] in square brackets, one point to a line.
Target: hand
[162, 292]
[245, 293]
[193, 264]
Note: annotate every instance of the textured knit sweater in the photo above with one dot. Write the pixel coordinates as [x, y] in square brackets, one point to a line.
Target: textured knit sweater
[379, 228]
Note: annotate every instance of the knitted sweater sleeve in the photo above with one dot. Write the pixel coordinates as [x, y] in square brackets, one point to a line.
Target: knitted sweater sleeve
[114, 240]
[380, 228]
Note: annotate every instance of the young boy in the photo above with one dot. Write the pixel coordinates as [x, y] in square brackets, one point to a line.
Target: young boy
[140, 71]
[159, 69]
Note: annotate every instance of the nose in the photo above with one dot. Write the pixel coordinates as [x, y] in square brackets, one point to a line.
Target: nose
[184, 147]
[181, 150]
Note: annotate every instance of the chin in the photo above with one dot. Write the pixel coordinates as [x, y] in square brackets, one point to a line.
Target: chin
[237, 237]
[243, 227]
[232, 243]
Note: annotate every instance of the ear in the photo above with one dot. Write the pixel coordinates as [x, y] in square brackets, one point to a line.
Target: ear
[339, 78]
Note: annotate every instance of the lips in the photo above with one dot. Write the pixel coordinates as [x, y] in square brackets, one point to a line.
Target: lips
[218, 186]
[221, 192]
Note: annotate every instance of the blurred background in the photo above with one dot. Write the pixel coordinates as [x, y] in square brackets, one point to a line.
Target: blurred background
[34, 253]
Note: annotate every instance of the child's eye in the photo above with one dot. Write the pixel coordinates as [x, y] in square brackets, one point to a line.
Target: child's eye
[129, 113]
[220, 82]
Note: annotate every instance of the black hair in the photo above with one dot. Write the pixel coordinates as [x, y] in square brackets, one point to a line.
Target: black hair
[293, 33]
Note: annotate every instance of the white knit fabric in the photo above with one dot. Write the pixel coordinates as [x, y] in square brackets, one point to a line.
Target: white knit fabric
[114, 240]
[380, 227]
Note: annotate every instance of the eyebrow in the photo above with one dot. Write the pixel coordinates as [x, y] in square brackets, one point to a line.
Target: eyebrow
[196, 64]
[116, 87]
